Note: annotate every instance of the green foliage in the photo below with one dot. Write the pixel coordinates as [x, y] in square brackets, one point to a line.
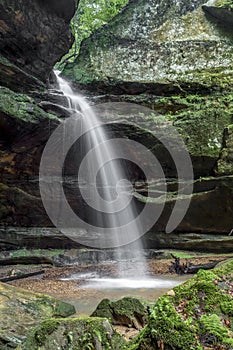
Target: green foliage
[90, 16]
[225, 3]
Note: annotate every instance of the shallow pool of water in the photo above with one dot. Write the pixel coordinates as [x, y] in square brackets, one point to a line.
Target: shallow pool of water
[94, 288]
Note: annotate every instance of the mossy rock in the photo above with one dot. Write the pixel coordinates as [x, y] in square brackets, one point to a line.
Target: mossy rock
[200, 120]
[223, 3]
[83, 333]
[20, 310]
[199, 315]
[127, 311]
[21, 107]
[173, 45]
[225, 163]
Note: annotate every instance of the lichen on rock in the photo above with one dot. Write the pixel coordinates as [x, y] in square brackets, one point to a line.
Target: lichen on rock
[153, 43]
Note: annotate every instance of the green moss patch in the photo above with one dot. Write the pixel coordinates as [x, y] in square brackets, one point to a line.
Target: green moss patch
[21, 107]
[199, 315]
[84, 333]
[201, 120]
[127, 311]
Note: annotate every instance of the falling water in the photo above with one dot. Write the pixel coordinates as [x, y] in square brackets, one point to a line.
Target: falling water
[112, 188]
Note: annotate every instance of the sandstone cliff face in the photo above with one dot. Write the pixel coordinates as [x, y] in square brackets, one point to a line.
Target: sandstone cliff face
[176, 58]
[168, 56]
[34, 35]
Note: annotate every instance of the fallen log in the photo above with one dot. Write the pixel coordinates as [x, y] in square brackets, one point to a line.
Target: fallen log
[21, 276]
[195, 268]
[26, 260]
[188, 268]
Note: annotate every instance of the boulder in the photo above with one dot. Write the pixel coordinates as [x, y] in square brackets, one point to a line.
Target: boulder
[75, 333]
[161, 48]
[127, 311]
[21, 310]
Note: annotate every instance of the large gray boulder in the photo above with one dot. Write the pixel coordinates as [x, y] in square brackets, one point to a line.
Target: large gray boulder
[156, 46]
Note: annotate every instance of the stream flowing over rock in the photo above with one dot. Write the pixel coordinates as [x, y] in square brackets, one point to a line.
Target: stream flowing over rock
[174, 57]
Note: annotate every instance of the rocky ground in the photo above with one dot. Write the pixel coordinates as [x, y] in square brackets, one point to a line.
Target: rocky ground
[50, 282]
[74, 292]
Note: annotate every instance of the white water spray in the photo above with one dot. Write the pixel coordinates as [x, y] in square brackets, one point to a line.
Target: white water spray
[112, 199]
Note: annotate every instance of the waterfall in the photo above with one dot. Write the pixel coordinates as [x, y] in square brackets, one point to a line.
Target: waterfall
[113, 200]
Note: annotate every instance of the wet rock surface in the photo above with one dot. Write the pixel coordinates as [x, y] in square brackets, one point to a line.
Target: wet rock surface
[175, 59]
[21, 310]
[167, 44]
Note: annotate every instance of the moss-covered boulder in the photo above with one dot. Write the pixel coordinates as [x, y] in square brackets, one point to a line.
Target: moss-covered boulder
[76, 333]
[157, 47]
[20, 310]
[198, 316]
[127, 311]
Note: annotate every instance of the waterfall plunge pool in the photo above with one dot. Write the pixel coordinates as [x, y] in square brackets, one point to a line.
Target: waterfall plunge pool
[93, 288]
